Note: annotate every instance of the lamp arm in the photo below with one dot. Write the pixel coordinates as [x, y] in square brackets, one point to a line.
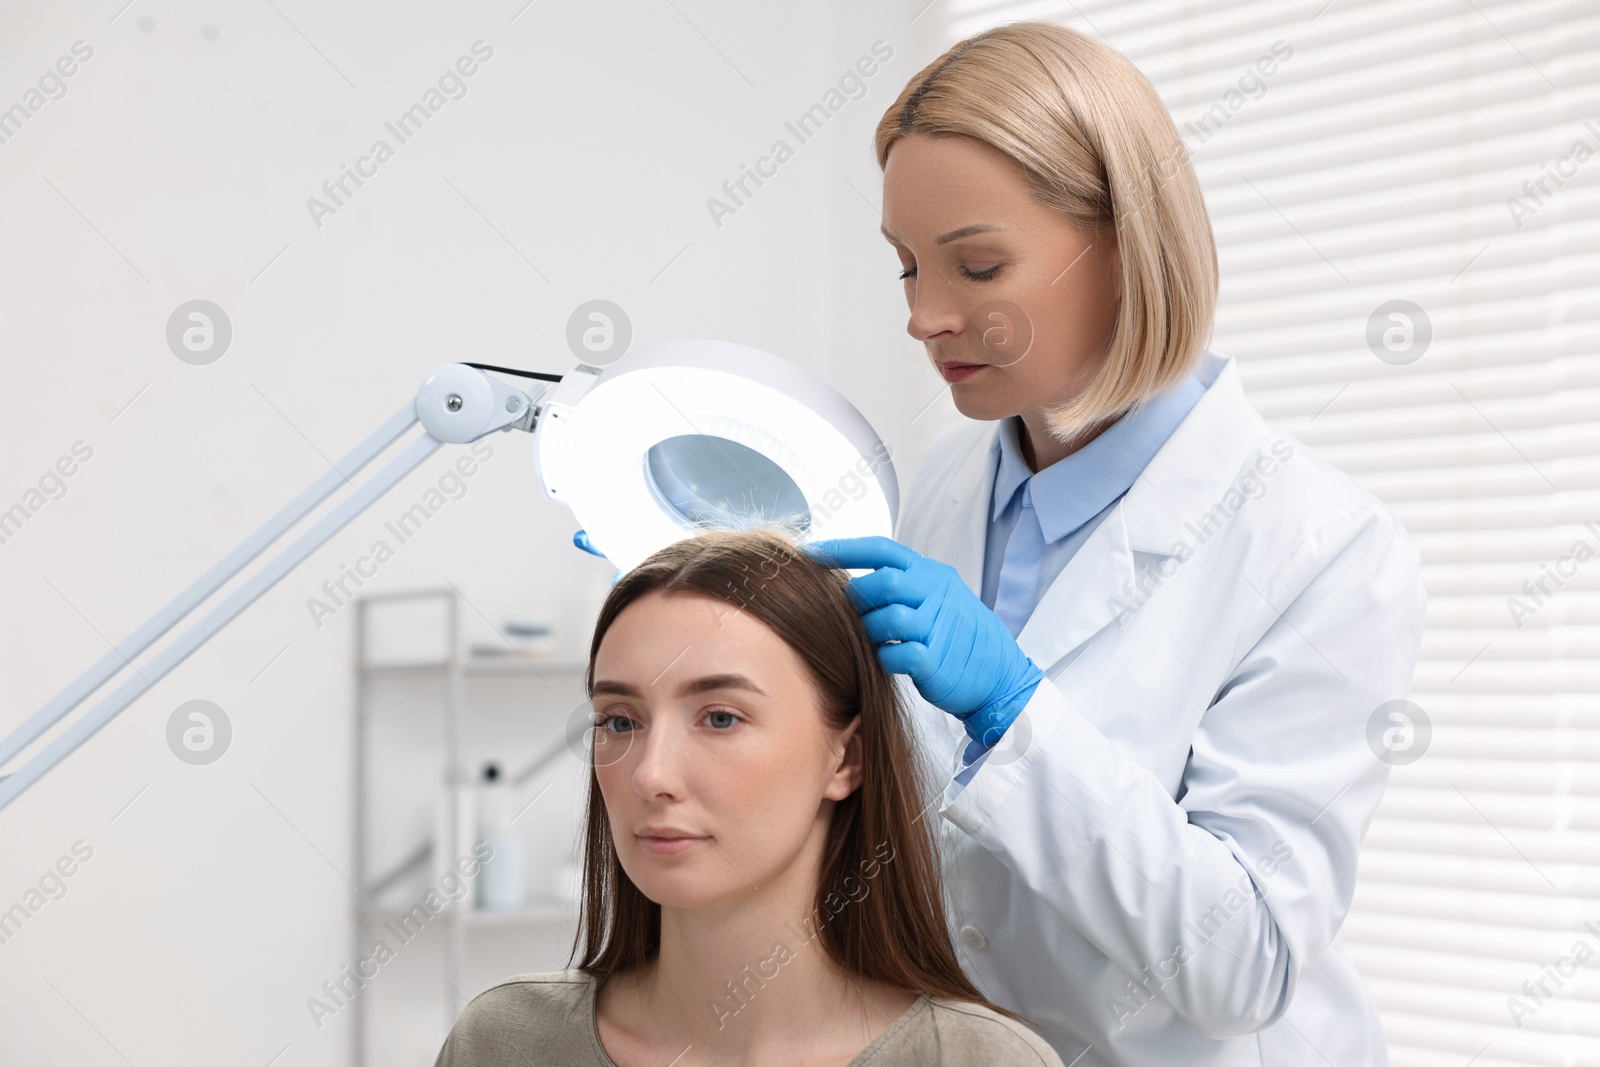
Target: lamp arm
[208, 583]
[456, 404]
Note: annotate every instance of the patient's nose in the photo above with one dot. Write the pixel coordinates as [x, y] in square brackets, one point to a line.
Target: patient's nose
[660, 771]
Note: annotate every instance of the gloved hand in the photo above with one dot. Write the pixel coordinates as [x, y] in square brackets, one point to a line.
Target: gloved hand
[962, 658]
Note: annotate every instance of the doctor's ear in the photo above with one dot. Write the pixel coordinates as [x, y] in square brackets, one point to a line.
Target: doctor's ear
[846, 778]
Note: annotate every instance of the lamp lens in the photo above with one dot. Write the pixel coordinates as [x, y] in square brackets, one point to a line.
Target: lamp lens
[706, 480]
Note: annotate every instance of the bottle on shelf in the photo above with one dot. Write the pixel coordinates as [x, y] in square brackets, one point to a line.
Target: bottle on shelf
[500, 881]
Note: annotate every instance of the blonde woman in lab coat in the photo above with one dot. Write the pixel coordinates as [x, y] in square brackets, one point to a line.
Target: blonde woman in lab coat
[1150, 631]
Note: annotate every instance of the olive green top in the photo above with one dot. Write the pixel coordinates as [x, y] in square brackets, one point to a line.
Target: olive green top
[533, 1020]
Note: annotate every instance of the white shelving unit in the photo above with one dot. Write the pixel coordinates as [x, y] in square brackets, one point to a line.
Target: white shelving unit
[423, 725]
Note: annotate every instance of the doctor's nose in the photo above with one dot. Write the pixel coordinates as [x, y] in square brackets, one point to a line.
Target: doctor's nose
[935, 311]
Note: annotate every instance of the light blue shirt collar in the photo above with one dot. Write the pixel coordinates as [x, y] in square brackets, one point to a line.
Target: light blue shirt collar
[1076, 488]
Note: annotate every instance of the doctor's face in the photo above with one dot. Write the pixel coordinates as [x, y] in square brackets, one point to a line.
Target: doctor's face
[996, 279]
[718, 770]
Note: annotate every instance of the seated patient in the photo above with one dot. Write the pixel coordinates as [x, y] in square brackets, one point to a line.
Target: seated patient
[760, 884]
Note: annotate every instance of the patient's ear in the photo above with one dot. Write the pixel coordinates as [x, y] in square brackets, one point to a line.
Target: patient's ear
[846, 778]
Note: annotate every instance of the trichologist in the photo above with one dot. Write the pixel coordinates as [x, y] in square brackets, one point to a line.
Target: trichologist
[1154, 628]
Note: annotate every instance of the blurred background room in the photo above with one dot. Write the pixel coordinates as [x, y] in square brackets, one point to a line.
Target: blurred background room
[1406, 202]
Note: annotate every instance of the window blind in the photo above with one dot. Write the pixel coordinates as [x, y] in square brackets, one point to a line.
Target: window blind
[1444, 153]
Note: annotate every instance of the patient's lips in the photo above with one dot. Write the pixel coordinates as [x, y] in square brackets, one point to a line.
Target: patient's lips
[667, 840]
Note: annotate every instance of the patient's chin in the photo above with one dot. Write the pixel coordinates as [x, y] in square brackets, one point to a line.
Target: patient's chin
[684, 881]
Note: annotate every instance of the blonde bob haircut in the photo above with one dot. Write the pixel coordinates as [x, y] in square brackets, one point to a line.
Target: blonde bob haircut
[1097, 143]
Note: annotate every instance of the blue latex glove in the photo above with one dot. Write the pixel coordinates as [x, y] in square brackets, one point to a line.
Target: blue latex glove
[581, 539]
[962, 658]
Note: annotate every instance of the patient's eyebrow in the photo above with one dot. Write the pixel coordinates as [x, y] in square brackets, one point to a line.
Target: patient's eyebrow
[703, 684]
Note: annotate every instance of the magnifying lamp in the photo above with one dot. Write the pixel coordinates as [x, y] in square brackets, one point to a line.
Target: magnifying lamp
[672, 438]
[706, 433]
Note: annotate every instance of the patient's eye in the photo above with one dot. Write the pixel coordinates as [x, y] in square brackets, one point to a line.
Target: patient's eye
[721, 719]
[615, 722]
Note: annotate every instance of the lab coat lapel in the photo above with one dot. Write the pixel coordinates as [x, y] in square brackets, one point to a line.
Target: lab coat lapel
[1082, 599]
[1190, 473]
[1186, 477]
[1076, 604]
[963, 528]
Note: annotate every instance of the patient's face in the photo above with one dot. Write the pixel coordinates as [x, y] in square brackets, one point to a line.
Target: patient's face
[748, 775]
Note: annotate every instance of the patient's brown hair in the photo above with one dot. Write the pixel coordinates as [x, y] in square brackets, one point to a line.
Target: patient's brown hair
[896, 933]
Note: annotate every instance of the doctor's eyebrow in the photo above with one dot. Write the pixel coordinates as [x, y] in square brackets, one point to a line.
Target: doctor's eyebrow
[953, 235]
[703, 684]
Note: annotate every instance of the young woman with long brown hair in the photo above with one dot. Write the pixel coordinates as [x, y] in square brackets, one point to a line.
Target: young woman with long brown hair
[760, 882]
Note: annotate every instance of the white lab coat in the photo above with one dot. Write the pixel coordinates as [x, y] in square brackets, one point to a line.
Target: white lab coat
[1154, 865]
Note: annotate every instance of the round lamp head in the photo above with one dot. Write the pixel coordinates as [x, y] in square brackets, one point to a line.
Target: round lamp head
[684, 435]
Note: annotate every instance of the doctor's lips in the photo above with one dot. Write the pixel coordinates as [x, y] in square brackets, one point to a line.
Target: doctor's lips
[666, 840]
[956, 371]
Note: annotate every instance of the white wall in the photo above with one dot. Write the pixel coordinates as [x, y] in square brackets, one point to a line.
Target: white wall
[177, 166]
